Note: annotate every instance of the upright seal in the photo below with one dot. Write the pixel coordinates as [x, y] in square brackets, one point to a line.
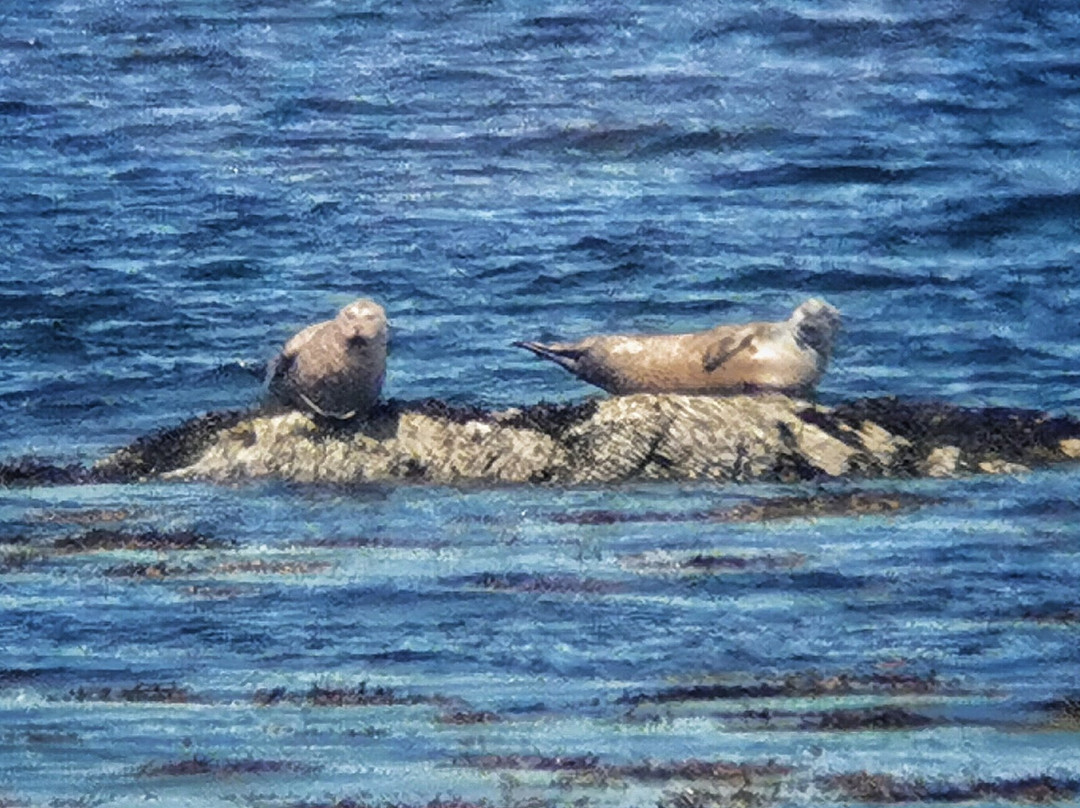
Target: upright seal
[335, 368]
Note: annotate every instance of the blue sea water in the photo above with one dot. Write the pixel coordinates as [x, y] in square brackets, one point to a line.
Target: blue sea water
[184, 185]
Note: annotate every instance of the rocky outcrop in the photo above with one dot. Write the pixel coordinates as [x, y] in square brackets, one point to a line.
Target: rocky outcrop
[636, 437]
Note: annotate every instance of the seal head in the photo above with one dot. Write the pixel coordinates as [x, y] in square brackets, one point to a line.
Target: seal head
[816, 325]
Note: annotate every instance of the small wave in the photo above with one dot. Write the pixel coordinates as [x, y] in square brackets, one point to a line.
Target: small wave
[835, 280]
[405, 655]
[51, 338]
[223, 269]
[1061, 75]
[356, 15]
[632, 248]
[1045, 508]
[561, 22]
[185, 56]
[326, 106]
[138, 174]
[78, 145]
[30, 203]
[810, 581]
[9, 44]
[564, 30]
[997, 217]
[646, 140]
[62, 309]
[601, 139]
[23, 109]
[712, 139]
[517, 269]
[837, 174]
[240, 370]
[832, 33]
[591, 279]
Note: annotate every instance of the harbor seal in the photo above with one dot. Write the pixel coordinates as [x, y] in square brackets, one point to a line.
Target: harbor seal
[788, 356]
[335, 368]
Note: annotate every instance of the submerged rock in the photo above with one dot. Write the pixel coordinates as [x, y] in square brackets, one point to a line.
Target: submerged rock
[636, 437]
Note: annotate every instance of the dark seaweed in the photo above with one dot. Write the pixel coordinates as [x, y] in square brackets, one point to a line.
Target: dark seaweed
[101, 539]
[645, 771]
[141, 693]
[1015, 435]
[821, 504]
[542, 584]
[167, 449]
[29, 471]
[317, 696]
[794, 686]
[885, 789]
[220, 768]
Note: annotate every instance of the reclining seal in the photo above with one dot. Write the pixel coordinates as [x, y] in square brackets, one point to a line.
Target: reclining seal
[788, 356]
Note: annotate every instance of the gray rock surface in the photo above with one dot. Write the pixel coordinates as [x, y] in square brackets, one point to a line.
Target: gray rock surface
[635, 437]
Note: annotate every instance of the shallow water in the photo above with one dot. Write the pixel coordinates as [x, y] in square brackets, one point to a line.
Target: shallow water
[185, 186]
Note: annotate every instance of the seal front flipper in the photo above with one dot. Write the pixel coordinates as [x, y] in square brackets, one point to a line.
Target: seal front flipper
[277, 367]
[720, 352]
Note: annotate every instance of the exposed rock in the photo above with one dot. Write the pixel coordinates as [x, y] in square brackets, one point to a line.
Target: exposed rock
[623, 438]
[1070, 447]
[998, 466]
[941, 462]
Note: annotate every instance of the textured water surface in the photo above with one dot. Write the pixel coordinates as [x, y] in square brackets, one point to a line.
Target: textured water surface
[184, 185]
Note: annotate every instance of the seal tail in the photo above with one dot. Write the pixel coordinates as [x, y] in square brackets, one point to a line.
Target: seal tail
[566, 357]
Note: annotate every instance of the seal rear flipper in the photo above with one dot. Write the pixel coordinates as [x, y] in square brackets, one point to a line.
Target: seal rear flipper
[569, 358]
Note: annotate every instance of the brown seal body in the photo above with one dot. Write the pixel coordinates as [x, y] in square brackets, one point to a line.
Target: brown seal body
[789, 356]
[335, 368]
